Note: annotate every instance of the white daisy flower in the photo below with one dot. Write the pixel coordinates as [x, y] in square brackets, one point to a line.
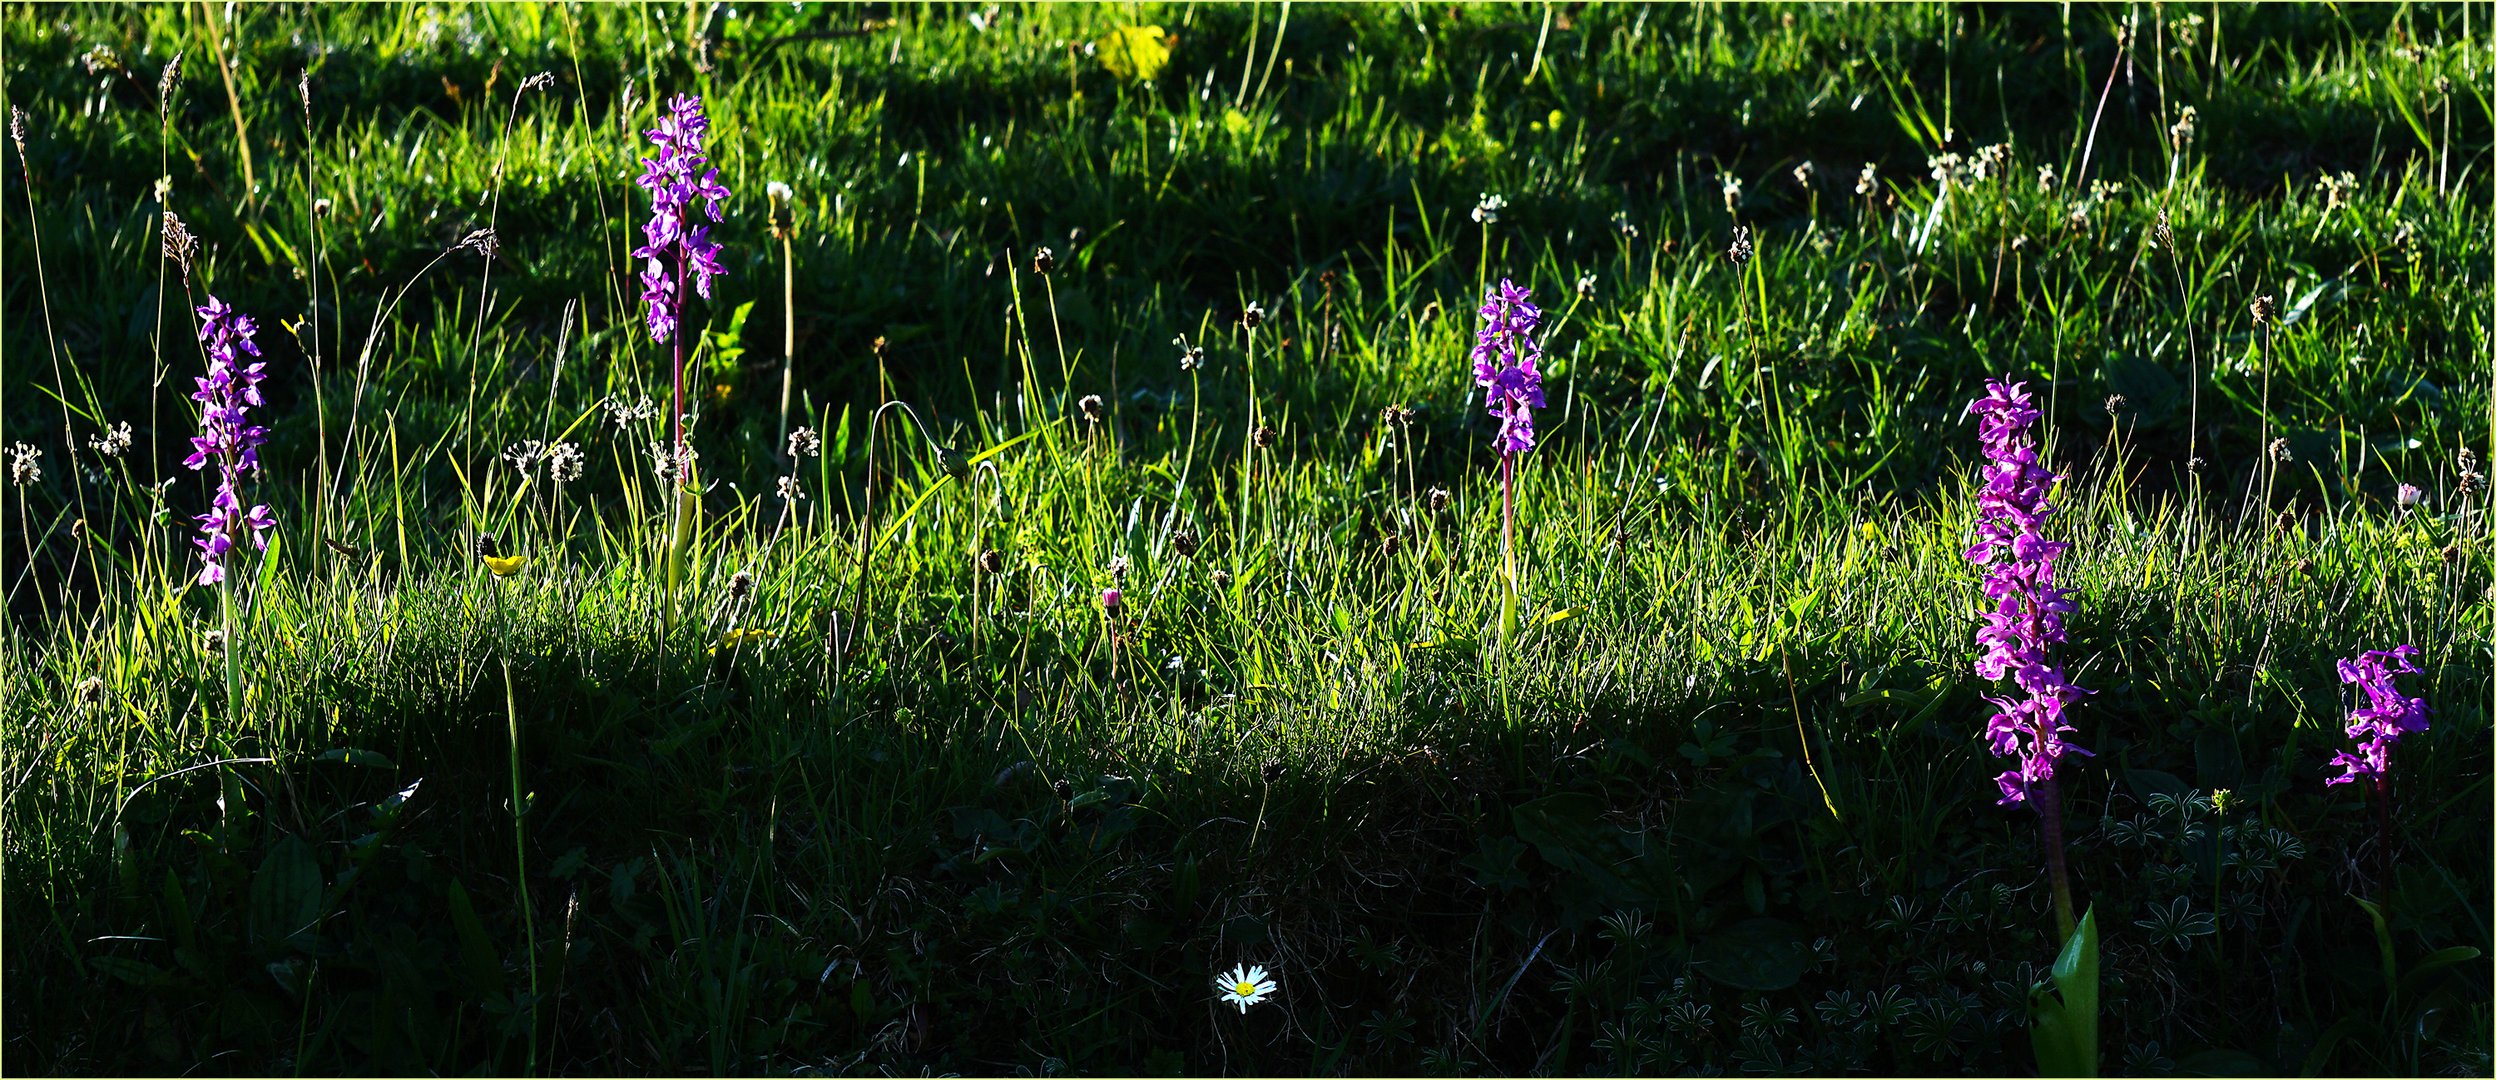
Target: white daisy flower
[1245, 986]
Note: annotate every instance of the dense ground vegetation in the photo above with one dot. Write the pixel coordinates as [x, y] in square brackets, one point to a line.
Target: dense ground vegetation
[873, 781]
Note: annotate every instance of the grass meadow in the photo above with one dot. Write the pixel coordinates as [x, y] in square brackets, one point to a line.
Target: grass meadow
[1656, 749]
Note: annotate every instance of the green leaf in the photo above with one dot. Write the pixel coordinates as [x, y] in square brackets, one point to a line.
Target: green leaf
[2063, 1023]
[348, 755]
[477, 964]
[286, 893]
[268, 567]
[2331, 1039]
[2435, 961]
[1133, 52]
[2151, 390]
[1569, 832]
[2383, 945]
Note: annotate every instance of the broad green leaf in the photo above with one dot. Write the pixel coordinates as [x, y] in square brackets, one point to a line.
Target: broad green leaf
[2383, 945]
[2435, 961]
[286, 892]
[477, 963]
[348, 755]
[2063, 1022]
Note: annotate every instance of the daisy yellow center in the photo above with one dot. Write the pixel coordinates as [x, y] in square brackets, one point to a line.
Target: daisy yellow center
[1245, 989]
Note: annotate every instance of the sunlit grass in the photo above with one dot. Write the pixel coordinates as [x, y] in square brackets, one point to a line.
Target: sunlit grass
[879, 784]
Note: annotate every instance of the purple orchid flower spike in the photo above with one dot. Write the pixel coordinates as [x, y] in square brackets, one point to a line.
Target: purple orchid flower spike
[2023, 620]
[678, 176]
[1504, 356]
[2381, 715]
[227, 436]
[2025, 609]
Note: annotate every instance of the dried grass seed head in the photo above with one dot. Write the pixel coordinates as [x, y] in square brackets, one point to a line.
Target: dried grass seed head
[482, 241]
[180, 245]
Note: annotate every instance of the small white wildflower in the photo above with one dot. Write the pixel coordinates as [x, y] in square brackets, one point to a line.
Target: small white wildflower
[1732, 186]
[1802, 174]
[2045, 178]
[1989, 161]
[791, 490]
[625, 415]
[1739, 252]
[23, 469]
[670, 463]
[113, 441]
[1867, 178]
[1245, 985]
[805, 443]
[2182, 131]
[2336, 189]
[564, 462]
[1486, 210]
[524, 455]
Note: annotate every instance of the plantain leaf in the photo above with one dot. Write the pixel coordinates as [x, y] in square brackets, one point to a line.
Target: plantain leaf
[286, 893]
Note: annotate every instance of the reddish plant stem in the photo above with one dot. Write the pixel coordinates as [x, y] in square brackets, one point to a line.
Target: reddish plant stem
[676, 342]
[2048, 797]
[2383, 826]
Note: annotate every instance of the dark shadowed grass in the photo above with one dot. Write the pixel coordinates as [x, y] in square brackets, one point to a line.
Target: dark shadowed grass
[1723, 805]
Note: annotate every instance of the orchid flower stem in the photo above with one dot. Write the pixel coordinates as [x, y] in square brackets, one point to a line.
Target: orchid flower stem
[2048, 796]
[677, 521]
[1508, 548]
[2383, 823]
[233, 658]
